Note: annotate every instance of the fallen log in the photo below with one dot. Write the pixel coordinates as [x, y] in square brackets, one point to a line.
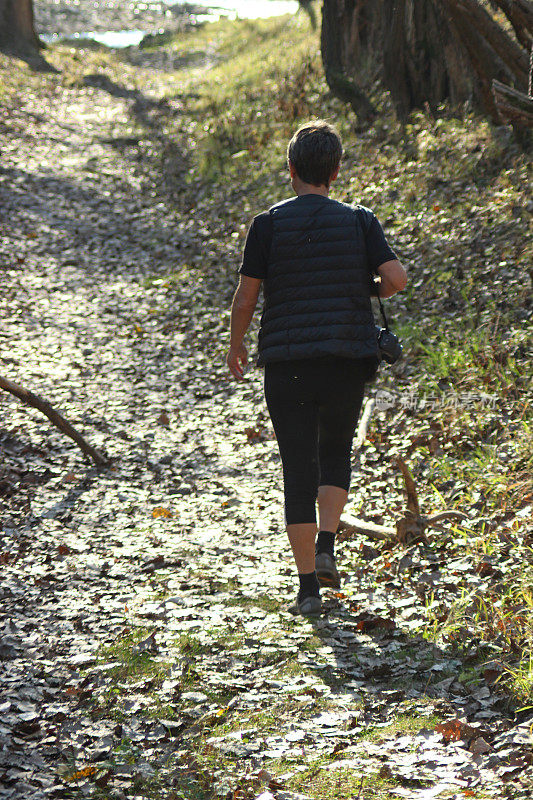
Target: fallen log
[35, 401]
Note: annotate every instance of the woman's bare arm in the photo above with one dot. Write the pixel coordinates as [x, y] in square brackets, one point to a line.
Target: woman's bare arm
[393, 278]
[242, 311]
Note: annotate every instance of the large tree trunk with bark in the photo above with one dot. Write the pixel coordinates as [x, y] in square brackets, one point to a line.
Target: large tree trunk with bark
[17, 30]
[428, 51]
[520, 15]
[423, 64]
[344, 38]
[18, 36]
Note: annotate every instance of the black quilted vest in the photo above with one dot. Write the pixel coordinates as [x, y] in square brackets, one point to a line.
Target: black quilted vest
[317, 289]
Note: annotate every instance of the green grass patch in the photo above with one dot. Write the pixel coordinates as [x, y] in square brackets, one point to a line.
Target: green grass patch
[264, 601]
[134, 659]
[324, 781]
[403, 724]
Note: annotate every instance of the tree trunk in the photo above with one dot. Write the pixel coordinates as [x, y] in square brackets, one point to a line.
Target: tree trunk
[505, 48]
[354, 28]
[410, 43]
[485, 62]
[423, 62]
[17, 31]
[430, 51]
[339, 46]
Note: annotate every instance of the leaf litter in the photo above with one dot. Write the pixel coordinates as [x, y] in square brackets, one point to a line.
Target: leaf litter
[144, 645]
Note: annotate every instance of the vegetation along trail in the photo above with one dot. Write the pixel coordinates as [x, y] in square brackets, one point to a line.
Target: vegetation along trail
[144, 645]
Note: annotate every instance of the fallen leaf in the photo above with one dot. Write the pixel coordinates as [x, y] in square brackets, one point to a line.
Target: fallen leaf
[370, 622]
[254, 435]
[453, 729]
[86, 772]
[148, 645]
[162, 512]
[163, 419]
[479, 746]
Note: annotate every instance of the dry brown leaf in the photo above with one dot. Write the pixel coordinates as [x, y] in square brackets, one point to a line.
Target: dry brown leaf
[255, 435]
[161, 512]
[163, 420]
[86, 772]
[453, 729]
[372, 622]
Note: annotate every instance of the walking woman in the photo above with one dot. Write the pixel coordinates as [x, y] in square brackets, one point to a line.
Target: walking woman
[316, 258]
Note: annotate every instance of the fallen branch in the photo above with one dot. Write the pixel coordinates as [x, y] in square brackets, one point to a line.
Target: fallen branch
[364, 422]
[55, 418]
[410, 488]
[349, 524]
[410, 528]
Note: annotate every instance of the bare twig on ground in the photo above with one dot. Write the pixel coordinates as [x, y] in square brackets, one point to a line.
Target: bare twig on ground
[364, 422]
[411, 527]
[55, 418]
[349, 524]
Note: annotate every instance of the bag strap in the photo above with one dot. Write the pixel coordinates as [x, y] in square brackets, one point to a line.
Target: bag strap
[383, 313]
[365, 231]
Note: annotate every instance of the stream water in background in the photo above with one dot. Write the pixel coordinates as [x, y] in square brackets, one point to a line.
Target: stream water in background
[250, 9]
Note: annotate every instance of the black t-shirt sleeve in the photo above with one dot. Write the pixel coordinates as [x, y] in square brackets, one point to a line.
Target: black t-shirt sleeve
[377, 247]
[257, 247]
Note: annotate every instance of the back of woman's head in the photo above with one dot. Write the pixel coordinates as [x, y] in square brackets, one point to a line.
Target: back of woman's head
[315, 151]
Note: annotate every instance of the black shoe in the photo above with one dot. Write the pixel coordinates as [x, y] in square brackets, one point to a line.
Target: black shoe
[308, 606]
[326, 570]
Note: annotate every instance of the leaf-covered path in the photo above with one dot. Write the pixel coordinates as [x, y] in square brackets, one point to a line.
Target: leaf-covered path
[144, 647]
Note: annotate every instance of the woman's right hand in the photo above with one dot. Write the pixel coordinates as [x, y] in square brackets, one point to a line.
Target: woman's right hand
[236, 359]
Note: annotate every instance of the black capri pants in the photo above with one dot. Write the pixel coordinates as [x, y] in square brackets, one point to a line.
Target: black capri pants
[314, 405]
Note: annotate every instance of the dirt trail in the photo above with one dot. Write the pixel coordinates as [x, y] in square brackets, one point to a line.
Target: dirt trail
[183, 537]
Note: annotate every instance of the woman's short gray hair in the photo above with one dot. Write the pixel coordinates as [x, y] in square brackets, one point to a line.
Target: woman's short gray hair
[315, 151]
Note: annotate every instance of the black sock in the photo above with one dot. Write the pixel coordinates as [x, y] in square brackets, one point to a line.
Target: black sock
[309, 585]
[325, 542]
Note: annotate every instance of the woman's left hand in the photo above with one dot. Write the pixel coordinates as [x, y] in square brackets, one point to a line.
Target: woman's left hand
[236, 360]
